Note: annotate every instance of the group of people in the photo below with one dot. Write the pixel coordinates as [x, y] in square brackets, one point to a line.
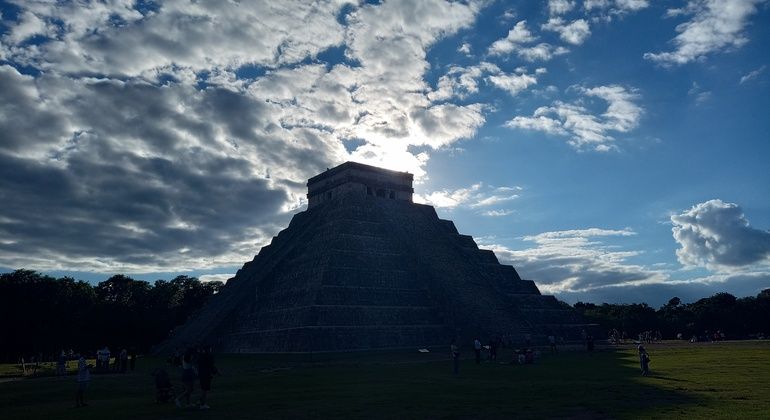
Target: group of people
[617, 337]
[196, 364]
[522, 355]
[650, 336]
[123, 360]
[31, 365]
[527, 354]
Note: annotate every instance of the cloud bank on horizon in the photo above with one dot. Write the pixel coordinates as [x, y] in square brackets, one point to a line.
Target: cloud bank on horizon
[163, 136]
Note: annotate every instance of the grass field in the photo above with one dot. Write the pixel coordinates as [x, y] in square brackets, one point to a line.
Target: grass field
[704, 380]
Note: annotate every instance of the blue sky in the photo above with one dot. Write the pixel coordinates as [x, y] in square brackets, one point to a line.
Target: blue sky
[611, 150]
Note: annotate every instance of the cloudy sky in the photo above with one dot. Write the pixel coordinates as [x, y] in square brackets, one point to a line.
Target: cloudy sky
[611, 150]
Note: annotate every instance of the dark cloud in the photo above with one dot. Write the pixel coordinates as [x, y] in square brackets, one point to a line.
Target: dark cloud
[136, 211]
[27, 120]
[577, 260]
[134, 145]
[145, 177]
[117, 39]
[716, 234]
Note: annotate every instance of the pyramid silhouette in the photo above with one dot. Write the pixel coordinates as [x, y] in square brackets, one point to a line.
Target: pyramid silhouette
[366, 268]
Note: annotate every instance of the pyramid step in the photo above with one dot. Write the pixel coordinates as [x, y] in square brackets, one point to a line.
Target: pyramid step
[351, 226]
[370, 259]
[505, 271]
[368, 277]
[486, 256]
[338, 315]
[449, 226]
[466, 241]
[524, 288]
[358, 242]
[371, 296]
[336, 338]
[347, 315]
[285, 298]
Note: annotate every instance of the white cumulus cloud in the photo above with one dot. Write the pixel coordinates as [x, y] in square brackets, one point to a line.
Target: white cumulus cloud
[714, 26]
[475, 196]
[575, 32]
[560, 7]
[519, 40]
[615, 7]
[717, 235]
[587, 129]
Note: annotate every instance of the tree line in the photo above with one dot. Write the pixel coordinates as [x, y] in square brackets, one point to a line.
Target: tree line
[737, 318]
[41, 315]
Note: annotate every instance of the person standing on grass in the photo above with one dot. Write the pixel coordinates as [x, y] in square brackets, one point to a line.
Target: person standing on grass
[454, 351]
[644, 360]
[188, 378]
[123, 360]
[206, 371]
[106, 358]
[477, 350]
[493, 349]
[552, 343]
[83, 379]
[61, 364]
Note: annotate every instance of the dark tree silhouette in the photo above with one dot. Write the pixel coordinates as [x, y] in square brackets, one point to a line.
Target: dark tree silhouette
[736, 318]
[40, 314]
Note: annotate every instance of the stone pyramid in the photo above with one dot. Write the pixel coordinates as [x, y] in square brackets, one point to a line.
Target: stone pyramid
[366, 268]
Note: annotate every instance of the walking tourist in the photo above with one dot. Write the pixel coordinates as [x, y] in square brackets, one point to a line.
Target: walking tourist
[477, 350]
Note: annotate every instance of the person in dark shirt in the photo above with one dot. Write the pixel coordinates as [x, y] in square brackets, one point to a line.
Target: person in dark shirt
[206, 372]
[188, 378]
[454, 352]
[644, 360]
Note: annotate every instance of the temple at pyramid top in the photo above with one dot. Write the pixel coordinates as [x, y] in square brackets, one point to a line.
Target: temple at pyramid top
[357, 178]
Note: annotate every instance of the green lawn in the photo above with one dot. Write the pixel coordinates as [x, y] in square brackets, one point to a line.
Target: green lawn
[719, 380]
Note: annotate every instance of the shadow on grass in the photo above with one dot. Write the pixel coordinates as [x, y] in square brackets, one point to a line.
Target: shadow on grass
[604, 384]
